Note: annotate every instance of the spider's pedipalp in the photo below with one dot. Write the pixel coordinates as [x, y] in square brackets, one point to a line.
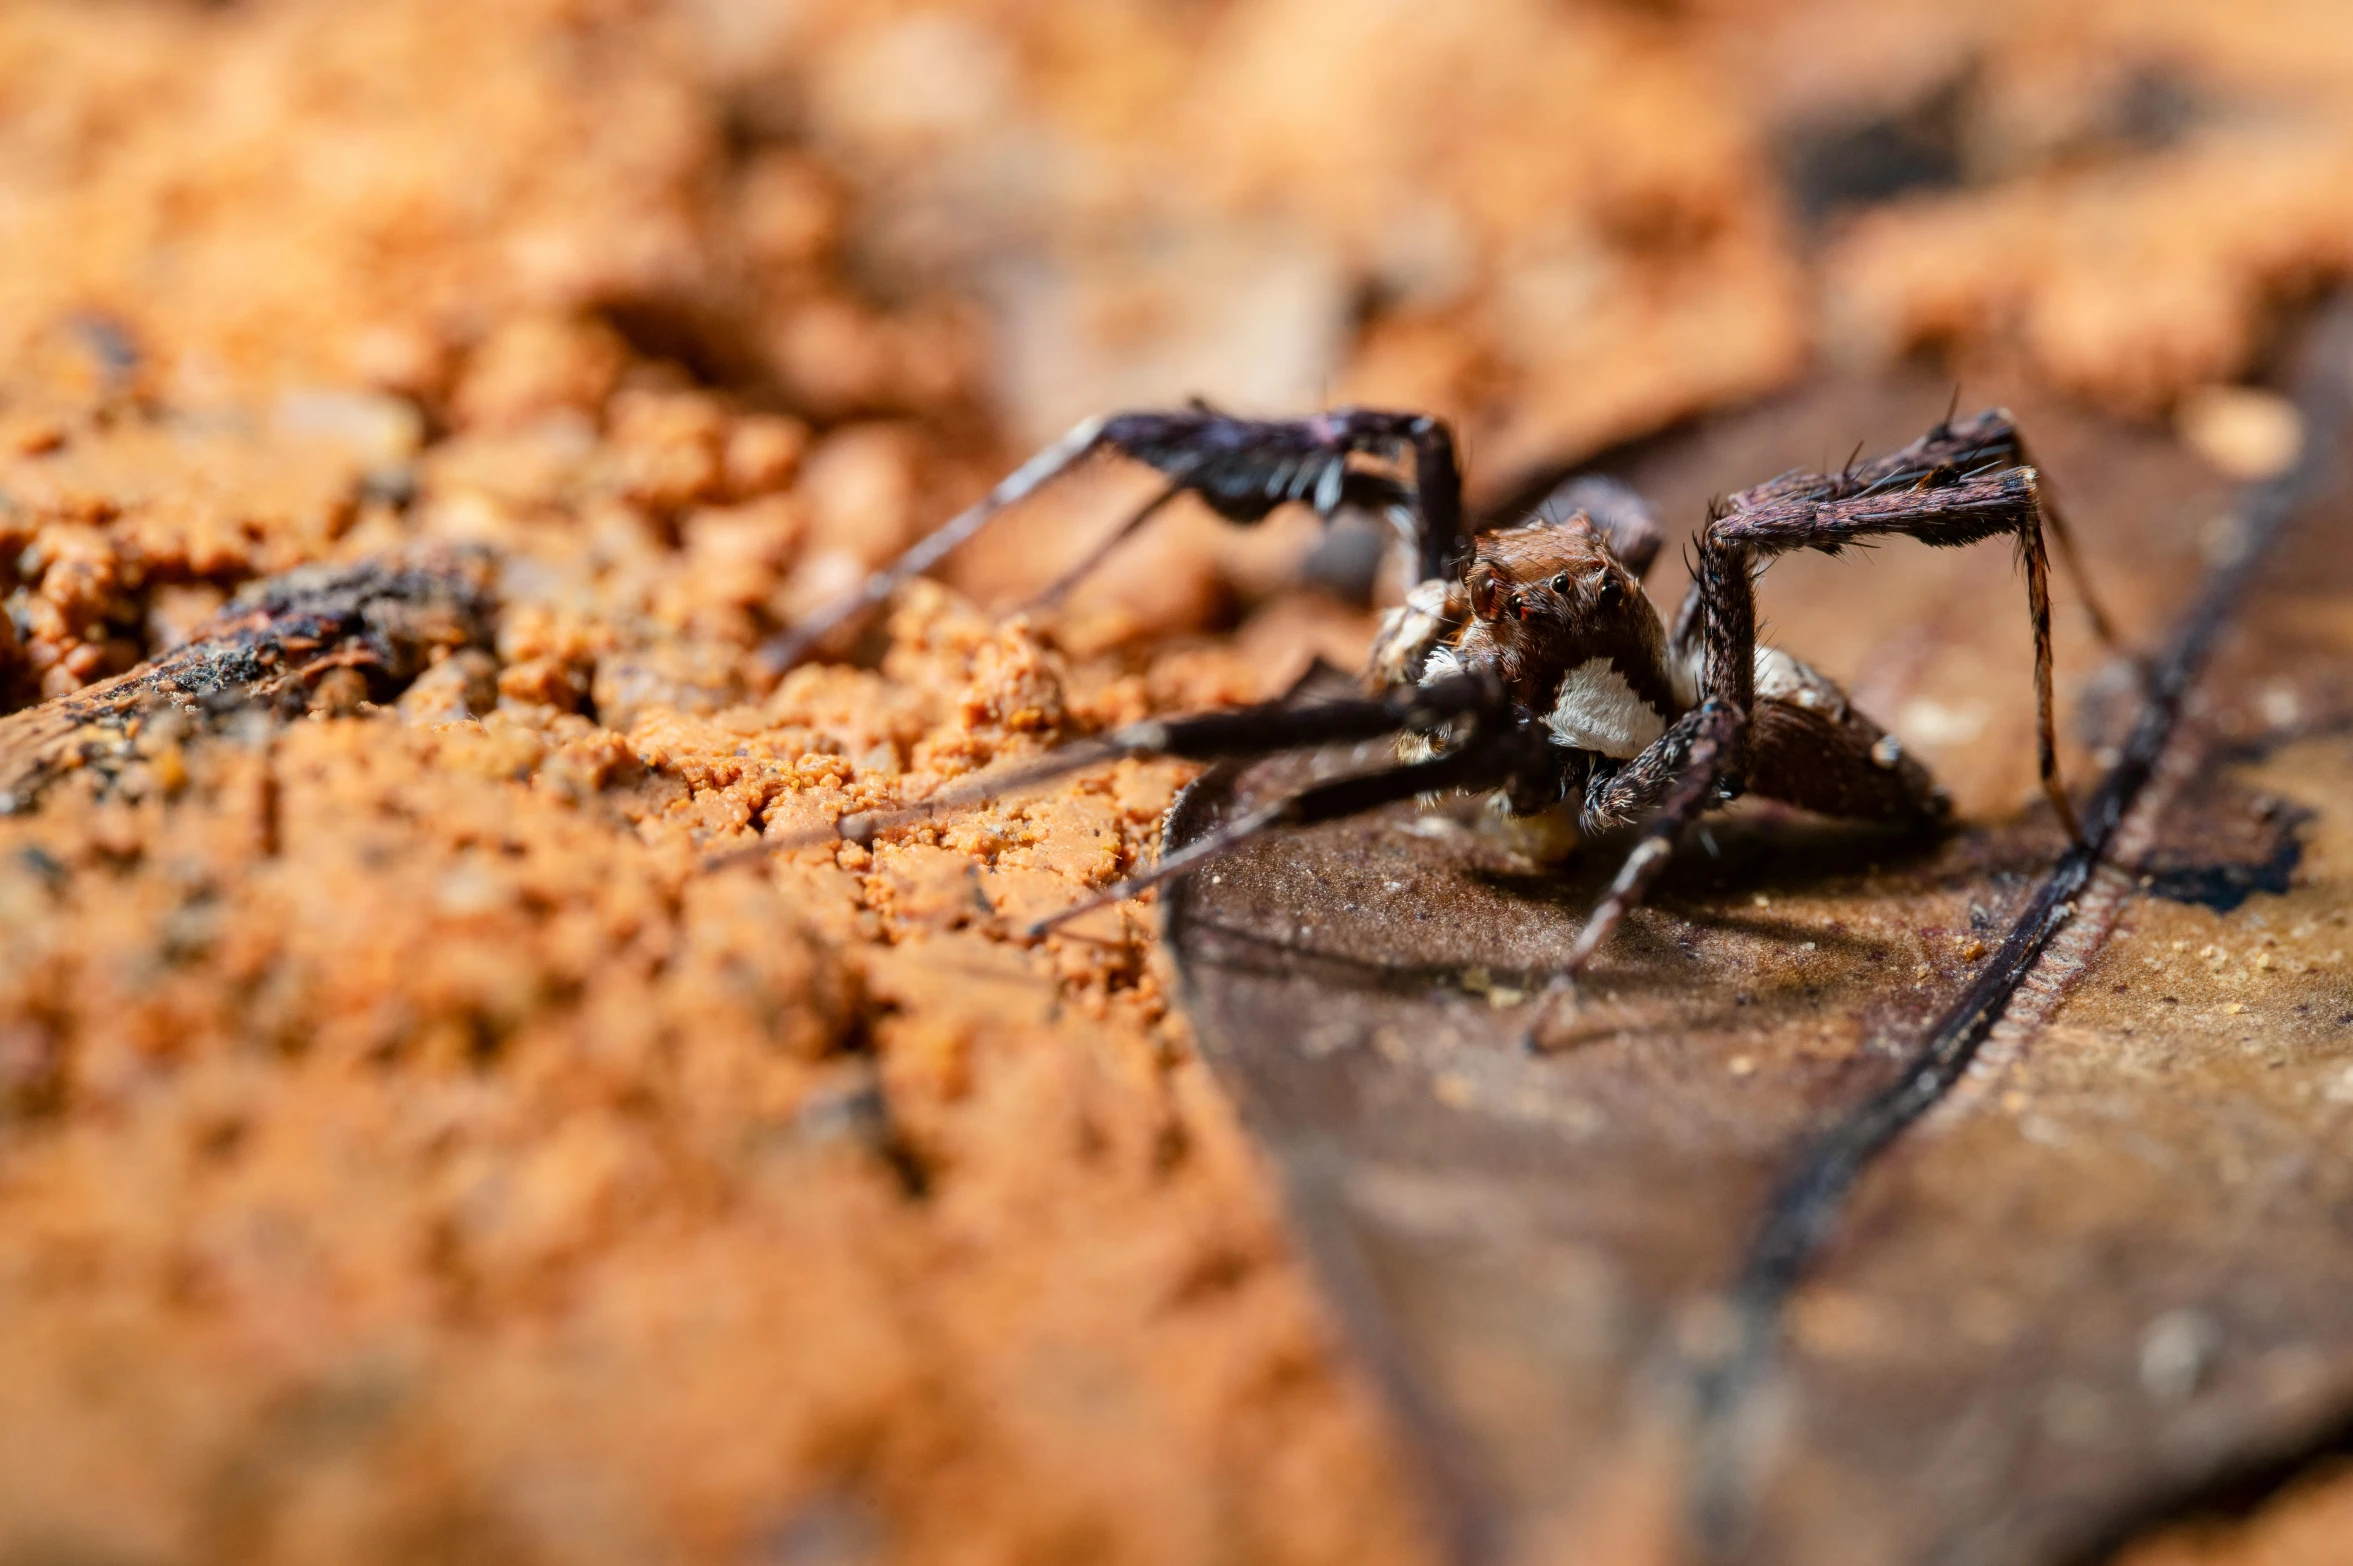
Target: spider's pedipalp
[1710, 738]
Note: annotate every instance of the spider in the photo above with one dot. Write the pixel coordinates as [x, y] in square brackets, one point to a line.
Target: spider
[1528, 663]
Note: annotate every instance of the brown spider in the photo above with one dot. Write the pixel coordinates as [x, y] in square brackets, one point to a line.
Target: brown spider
[1528, 662]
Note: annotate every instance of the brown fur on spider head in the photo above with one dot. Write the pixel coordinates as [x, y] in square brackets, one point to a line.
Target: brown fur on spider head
[1551, 597]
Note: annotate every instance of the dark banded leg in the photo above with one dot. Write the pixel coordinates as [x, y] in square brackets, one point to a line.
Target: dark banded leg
[1940, 509]
[2046, 743]
[1242, 469]
[1634, 791]
[1242, 732]
[1488, 761]
[789, 646]
[1713, 750]
[1053, 591]
[2063, 535]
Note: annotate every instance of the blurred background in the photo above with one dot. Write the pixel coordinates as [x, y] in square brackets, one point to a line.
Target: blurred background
[946, 231]
[697, 310]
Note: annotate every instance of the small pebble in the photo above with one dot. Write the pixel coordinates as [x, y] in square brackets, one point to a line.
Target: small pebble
[2247, 433]
[2177, 1351]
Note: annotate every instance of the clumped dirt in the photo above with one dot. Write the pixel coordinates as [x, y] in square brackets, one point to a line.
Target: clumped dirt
[411, 1144]
[421, 1132]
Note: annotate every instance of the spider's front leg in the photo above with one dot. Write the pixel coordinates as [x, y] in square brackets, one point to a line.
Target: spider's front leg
[1960, 484]
[1476, 746]
[1698, 765]
[1496, 754]
[1243, 469]
[1940, 504]
[1693, 768]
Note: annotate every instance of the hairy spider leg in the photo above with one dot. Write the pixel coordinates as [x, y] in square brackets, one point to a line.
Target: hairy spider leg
[1243, 469]
[1368, 492]
[1994, 434]
[1973, 447]
[1052, 593]
[1240, 732]
[2064, 536]
[1489, 759]
[1707, 740]
[1962, 482]
[1437, 488]
[1920, 492]
[1944, 511]
[789, 646]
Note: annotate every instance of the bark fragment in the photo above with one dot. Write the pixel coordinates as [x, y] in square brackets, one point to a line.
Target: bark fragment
[381, 622]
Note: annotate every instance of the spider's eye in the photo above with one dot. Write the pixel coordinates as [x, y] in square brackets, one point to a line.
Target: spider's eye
[1607, 597]
[1560, 583]
[1486, 595]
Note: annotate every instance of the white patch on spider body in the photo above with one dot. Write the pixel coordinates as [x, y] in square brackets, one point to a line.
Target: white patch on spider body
[1779, 678]
[1782, 678]
[1688, 675]
[1597, 710]
[1408, 638]
[1413, 745]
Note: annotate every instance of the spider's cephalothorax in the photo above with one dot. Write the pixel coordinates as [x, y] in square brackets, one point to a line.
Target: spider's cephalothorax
[1570, 634]
[1529, 663]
